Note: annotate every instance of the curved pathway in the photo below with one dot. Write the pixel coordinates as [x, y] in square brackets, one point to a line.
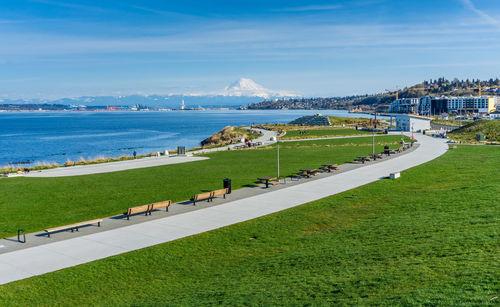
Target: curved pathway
[265, 139]
[112, 166]
[54, 256]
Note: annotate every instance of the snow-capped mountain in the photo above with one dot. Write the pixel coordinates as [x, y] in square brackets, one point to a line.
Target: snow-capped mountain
[247, 87]
[241, 92]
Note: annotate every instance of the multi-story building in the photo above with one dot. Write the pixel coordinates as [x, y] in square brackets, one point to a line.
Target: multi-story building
[472, 104]
[404, 105]
[424, 106]
[441, 104]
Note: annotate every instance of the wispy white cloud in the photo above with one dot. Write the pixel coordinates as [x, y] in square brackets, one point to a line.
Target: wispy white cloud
[68, 5]
[244, 39]
[158, 12]
[488, 18]
[309, 8]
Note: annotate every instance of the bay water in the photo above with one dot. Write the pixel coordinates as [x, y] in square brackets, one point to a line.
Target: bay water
[48, 137]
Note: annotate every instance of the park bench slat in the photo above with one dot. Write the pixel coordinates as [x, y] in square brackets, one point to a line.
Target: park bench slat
[162, 204]
[221, 192]
[138, 209]
[202, 196]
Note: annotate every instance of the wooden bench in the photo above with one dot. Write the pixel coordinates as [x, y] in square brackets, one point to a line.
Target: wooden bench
[162, 204]
[73, 227]
[202, 196]
[220, 192]
[138, 209]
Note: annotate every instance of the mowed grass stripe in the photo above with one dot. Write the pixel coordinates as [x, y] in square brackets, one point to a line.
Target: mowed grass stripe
[323, 133]
[428, 238]
[34, 204]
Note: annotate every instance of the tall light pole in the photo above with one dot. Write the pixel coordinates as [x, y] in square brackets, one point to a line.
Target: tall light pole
[402, 136]
[278, 155]
[373, 133]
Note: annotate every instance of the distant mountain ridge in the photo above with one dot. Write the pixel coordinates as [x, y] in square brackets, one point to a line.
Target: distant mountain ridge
[240, 92]
[247, 92]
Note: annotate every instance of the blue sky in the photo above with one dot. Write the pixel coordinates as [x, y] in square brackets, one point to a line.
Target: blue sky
[55, 48]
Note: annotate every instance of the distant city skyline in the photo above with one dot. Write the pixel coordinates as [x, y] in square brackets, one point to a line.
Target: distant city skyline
[53, 48]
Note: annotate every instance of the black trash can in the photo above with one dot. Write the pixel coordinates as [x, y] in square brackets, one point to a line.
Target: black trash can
[227, 185]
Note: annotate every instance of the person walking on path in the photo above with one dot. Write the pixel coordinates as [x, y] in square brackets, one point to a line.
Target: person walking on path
[135, 154]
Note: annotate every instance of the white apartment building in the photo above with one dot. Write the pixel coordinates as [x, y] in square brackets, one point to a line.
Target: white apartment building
[428, 106]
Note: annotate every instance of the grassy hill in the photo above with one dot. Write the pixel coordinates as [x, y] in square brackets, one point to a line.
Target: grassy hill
[429, 238]
[467, 133]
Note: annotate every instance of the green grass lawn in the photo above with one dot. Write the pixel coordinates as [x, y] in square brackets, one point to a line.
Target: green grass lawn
[338, 120]
[322, 133]
[34, 204]
[451, 122]
[429, 238]
[467, 133]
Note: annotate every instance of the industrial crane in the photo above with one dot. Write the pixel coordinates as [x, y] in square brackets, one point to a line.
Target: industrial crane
[480, 88]
[391, 91]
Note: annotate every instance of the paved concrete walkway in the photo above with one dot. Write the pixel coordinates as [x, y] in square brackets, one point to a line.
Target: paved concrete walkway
[59, 255]
[112, 166]
[265, 139]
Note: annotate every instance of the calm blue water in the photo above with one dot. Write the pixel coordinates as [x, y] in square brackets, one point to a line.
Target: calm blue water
[59, 136]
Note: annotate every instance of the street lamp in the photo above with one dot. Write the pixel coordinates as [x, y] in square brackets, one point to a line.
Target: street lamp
[373, 133]
[278, 155]
[401, 127]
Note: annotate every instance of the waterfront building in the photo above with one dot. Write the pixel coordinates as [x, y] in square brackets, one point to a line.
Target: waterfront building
[410, 122]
